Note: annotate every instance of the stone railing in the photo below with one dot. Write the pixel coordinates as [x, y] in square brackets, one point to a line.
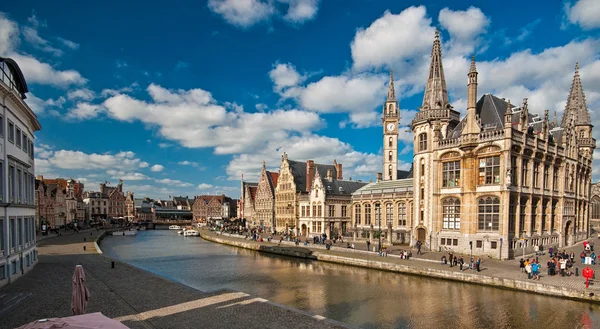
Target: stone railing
[491, 135]
[530, 140]
[449, 142]
[589, 142]
[517, 134]
[436, 114]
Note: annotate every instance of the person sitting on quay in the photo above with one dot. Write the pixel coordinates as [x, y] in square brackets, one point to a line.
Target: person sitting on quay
[593, 256]
[444, 261]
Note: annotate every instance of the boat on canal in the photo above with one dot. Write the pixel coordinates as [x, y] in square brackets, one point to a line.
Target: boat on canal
[174, 227]
[191, 233]
[129, 232]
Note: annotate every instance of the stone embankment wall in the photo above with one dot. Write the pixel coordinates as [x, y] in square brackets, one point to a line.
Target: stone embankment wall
[504, 283]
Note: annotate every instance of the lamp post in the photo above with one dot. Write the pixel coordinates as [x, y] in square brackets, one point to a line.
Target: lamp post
[378, 213]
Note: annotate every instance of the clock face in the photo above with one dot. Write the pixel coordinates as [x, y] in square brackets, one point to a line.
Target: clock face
[390, 126]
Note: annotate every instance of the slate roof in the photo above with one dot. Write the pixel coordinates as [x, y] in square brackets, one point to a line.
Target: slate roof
[272, 177]
[253, 192]
[342, 187]
[402, 174]
[400, 185]
[299, 173]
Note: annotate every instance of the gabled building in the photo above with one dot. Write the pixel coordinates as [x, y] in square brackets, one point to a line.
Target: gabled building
[207, 207]
[264, 202]
[247, 200]
[326, 210]
[182, 203]
[293, 184]
[130, 206]
[97, 205]
[116, 199]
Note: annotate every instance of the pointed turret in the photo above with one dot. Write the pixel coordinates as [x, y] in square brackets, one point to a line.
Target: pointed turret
[436, 94]
[472, 127]
[576, 103]
[391, 96]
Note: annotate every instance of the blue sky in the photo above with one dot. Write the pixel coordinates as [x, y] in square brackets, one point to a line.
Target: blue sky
[180, 98]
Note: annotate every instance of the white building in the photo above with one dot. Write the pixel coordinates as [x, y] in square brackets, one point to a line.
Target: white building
[97, 205]
[18, 124]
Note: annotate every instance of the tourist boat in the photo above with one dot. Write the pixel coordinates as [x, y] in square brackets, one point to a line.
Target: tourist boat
[191, 233]
[182, 231]
[174, 227]
[126, 232]
[200, 225]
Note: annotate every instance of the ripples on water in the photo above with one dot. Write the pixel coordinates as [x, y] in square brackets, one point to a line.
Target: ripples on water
[361, 297]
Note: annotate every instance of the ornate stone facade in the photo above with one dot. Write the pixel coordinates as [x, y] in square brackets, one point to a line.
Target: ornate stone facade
[247, 202]
[212, 207]
[264, 202]
[116, 199]
[498, 182]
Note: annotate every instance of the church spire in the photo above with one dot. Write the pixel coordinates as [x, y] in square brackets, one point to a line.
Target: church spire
[391, 96]
[576, 105]
[436, 94]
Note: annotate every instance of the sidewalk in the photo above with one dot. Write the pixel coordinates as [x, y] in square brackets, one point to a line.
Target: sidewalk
[430, 261]
[135, 297]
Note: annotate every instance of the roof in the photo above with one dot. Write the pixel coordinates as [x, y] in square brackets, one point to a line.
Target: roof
[342, 187]
[15, 70]
[273, 177]
[400, 185]
[299, 173]
[172, 211]
[253, 192]
[402, 174]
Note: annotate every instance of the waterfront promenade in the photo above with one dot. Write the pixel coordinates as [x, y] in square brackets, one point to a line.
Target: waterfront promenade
[501, 274]
[135, 297]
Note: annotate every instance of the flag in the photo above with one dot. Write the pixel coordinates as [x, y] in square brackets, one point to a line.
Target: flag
[120, 181]
[107, 183]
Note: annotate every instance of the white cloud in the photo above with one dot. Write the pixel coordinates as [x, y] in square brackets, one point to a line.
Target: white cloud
[83, 94]
[67, 159]
[157, 168]
[464, 27]
[173, 182]
[40, 106]
[245, 13]
[285, 76]
[31, 35]
[188, 163]
[242, 13]
[135, 176]
[228, 131]
[586, 13]
[164, 145]
[204, 186]
[393, 38]
[124, 90]
[300, 11]
[84, 111]
[68, 43]
[9, 34]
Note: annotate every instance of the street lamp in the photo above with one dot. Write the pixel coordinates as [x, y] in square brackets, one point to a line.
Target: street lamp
[378, 214]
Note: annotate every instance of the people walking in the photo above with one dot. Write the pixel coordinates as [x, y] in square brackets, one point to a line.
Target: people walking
[419, 247]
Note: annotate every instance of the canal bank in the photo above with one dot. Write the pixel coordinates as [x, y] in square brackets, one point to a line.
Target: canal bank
[137, 298]
[494, 275]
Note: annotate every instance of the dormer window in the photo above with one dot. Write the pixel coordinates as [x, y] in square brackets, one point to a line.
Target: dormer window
[316, 193]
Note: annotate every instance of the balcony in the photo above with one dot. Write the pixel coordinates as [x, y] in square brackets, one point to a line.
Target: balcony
[586, 142]
[491, 135]
[436, 115]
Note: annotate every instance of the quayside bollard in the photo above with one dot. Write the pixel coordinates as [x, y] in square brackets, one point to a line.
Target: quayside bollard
[112, 264]
[83, 247]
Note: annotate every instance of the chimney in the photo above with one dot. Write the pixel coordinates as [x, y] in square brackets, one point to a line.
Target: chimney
[339, 171]
[329, 175]
[379, 177]
[310, 174]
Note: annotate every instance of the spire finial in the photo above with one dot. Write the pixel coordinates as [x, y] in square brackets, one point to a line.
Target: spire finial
[391, 96]
[576, 103]
[576, 68]
[437, 33]
[473, 66]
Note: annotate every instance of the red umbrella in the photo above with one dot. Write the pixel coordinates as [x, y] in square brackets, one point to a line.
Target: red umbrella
[86, 321]
[80, 292]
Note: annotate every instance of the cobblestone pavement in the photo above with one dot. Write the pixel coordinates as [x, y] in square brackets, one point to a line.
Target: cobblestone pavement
[490, 267]
[138, 298]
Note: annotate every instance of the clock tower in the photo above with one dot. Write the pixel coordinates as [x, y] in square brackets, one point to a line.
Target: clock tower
[391, 118]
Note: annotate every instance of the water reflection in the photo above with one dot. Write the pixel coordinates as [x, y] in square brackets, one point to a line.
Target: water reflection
[367, 298]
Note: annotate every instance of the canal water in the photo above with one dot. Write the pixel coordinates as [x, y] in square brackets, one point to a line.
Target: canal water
[361, 297]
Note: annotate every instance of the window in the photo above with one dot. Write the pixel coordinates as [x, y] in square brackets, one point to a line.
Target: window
[525, 170]
[18, 142]
[320, 211]
[1, 126]
[357, 214]
[368, 214]
[11, 132]
[402, 214]
[581, 134]
[391, 142]
[479, 244]
[494, 244]
[514, 170]
[1, 235]
[389, 214]
[13, 233]
[31, 149]
[536, 174]
[423, 142]
[451, 214]
[489, 170]
[377, 214]
[489, 214]
[11, 183]
[451, 174]
[19, 186]
[546, 173]
[344, 211]
[555, 178]
[390, 155]
[25, 143]
[331, 211]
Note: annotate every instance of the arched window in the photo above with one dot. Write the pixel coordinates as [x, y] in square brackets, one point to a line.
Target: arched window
[489, 214]
[368, 214]
[389, 214]
[357, 214]
[390, 109]
[595, 207]
[402, 214]
[423, 142]
[390, 156]
[451, 214]
[390, 171]
[390, 142]
[582, 134]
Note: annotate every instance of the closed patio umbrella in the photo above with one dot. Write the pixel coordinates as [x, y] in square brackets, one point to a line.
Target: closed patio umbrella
[80, 291]
[86, 321]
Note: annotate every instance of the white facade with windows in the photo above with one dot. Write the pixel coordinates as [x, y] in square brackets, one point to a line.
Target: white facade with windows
[18, 124]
